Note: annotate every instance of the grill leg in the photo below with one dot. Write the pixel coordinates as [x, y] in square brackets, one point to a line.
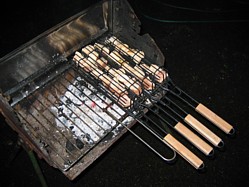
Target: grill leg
[37, 168]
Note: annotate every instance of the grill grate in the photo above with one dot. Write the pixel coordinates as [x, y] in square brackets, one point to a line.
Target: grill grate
[74, 112]
[66, 118]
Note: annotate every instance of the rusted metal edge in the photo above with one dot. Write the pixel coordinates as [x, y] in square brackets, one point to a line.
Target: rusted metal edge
[12, 120]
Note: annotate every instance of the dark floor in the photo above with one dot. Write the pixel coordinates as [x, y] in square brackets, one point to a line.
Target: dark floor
[207, 55]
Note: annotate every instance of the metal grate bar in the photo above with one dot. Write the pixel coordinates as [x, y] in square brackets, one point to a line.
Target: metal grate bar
[51, 112]
[45, 142]
[82, 118]
[103, 102]
[42, 108]
[106, 105]
[44, 122]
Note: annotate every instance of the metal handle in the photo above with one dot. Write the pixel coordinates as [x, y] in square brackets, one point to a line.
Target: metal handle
[143, 141]
[204, 131]
[215, 119]
[194, 139]
[184, 152]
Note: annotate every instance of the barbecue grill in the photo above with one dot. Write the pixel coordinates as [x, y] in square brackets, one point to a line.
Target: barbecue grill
[74, 90]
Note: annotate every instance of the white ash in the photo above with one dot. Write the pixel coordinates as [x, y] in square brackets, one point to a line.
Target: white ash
[81, 110]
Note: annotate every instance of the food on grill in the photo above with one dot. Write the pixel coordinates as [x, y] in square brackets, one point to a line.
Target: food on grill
[130, 83]
[102, 48]
[136, 55]
[113, 85]
[88, 49]
[157, 72]
[136, 71]
[118, 74]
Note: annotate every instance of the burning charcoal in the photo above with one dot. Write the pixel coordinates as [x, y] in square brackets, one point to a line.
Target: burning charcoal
[120, 128]
[44, 144]
[72, 115]
[88, 137]
[69, 101]
[60, 103]
[104, 97]
[83, 83]
[60, 111]
[109, 136]
[79, 144]
[76, 104]
[67, 163]
[94, 93]
[93, 104]
[69, 146]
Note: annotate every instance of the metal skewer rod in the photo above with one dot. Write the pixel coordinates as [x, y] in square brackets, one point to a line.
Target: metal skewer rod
[143, 141]
[176, 145]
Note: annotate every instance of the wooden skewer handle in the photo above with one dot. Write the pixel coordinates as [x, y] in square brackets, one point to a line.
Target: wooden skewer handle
[204, 131]
[215, 119]
[194, 139]
[184, 151]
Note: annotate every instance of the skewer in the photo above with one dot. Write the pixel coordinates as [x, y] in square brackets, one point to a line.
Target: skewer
[139, 73]
[196, 124]
[183, 130]
[193, 122]
[160, 75]
[197, 106]
[170, 141]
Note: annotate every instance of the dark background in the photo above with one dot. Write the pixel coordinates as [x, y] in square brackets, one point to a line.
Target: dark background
[205, 44]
